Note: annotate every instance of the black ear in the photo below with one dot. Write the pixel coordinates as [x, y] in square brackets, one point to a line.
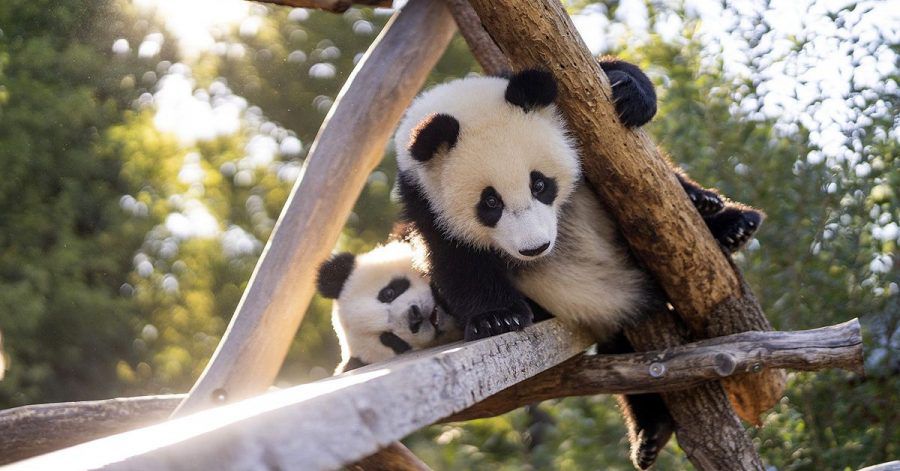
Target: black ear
[333, 273]
[531, 89]
[433, 132]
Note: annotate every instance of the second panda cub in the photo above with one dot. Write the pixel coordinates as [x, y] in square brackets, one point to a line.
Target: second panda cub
[383, 305]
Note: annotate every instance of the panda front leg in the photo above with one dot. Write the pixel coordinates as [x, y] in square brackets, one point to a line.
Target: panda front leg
[633, 93]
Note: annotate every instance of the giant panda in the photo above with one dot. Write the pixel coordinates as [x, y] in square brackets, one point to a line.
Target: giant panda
[383, 304]
[491, 180]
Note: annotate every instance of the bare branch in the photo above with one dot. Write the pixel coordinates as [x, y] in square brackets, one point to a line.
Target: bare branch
[368, 107]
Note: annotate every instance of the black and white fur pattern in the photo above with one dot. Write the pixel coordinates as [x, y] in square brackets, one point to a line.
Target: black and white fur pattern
[383, 304]
[490, 178]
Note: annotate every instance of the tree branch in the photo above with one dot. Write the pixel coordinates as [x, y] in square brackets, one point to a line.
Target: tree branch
[682, 367]
[31, 430]
[368, 107]
[483, 47]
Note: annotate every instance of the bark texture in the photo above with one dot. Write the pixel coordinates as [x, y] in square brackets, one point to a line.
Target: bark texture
[682, 367]
[483, 47]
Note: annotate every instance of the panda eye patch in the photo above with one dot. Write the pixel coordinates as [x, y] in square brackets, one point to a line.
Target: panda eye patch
[543, 188]
[395, 288]
[490, 207]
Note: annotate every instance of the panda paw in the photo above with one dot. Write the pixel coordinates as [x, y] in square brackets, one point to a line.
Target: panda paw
[649, 443]
[498, 322]
[634, 105]
[734, 226]
[707, 202]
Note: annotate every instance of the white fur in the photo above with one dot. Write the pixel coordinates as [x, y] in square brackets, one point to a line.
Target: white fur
[586, 277]
[359, 318]
[499, 145]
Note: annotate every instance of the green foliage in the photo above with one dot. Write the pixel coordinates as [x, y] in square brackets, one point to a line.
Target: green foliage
[65, 247]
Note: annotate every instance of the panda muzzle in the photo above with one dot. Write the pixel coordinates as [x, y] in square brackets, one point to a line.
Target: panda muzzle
[416, 318]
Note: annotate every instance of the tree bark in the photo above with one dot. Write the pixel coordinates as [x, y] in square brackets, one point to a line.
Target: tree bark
[368, 108]
[483, 47]
[682, 367]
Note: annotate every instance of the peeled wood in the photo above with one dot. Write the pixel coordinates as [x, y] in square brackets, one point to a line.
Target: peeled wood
[682, 367]
[333, 422]
[640, 190]
[350, 144]
[31, 430]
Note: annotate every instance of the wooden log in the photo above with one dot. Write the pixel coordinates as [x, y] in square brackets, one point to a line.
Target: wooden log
[349, 145]
[32, 430]
[640, 190]
[333, 422]
[334, 6]
[683, 366]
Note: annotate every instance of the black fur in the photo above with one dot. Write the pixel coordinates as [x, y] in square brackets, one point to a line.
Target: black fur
[431, 134]
[734, 226]
[650, 426]
[487, 215]
[395, 343]
[633, 92]
[707, 202]
[550, 190]
[531, 89]
[352, 364]
[473, 284]
[333, 273]
[395, 288]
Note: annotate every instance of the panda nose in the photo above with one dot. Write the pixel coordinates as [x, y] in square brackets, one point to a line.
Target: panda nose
[415, 319]
[535, 251]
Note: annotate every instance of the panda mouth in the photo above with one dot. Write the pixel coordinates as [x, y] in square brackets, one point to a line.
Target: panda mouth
[433, 318]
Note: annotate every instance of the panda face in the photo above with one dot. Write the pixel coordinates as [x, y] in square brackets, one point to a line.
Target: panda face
[384, 305]
[495, 172]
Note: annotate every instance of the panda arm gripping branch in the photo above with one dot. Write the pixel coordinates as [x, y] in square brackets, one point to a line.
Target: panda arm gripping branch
[732, 224]
[472, 282]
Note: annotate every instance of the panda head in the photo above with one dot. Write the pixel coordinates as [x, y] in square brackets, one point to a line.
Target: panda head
[383, 304]
[494, 160]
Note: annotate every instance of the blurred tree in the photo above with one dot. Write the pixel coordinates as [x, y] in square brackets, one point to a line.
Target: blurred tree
[66, 75]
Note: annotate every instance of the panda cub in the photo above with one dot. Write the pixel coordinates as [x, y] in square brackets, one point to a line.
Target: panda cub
[383, 305]
[491, 180]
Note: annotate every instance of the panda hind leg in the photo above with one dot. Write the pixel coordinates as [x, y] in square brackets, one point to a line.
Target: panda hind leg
[650, 426]
[734, 226]
[707, 202]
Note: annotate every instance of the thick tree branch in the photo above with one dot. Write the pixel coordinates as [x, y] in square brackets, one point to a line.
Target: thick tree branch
[31, 430]
[683, 367]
